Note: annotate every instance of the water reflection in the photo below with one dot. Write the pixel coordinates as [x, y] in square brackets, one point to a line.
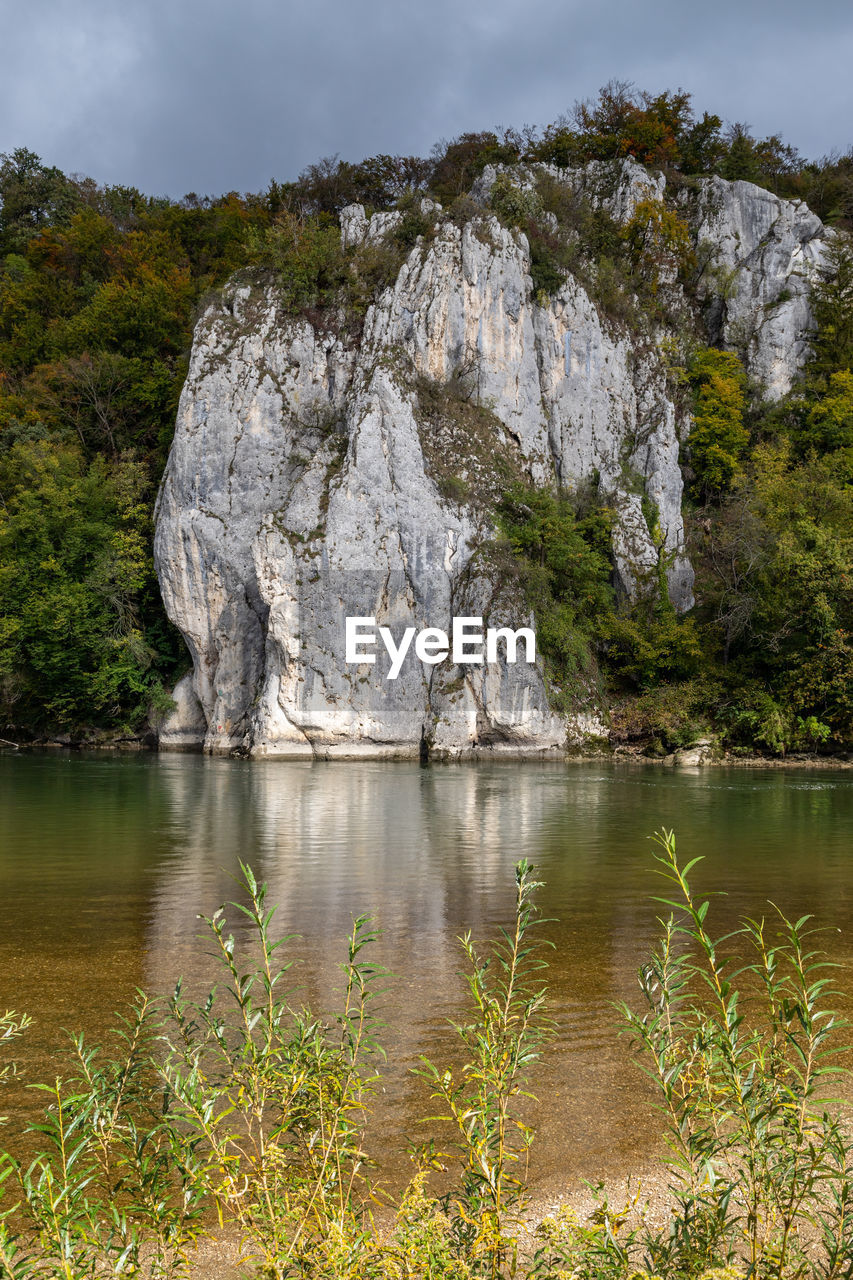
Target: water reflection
[105, 863]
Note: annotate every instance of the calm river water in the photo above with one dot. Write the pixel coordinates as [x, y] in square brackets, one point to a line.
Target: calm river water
[106, 860]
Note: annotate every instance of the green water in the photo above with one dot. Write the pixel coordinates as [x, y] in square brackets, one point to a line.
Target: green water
[105, 862]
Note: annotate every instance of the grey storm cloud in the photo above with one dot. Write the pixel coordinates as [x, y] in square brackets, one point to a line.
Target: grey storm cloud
[179, 95]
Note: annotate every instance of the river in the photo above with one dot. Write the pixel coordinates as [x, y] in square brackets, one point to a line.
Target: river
[106, 861]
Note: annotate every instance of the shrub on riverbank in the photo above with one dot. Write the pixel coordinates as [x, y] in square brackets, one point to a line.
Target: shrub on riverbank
[256, 1109]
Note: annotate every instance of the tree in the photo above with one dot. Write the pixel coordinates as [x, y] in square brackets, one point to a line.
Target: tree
[76, 581]
[460, 162]
[832, 304]
[739, 163]
[718, 437]
[702, 145]
[32, 195]
[659, 241]
[824, 419]
[620, 122]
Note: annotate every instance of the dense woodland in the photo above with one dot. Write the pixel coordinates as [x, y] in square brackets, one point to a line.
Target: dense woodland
[99, 290]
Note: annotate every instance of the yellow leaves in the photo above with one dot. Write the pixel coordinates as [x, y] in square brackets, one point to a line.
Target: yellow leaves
[652, 224]
[659, 240]
[672, 359]
[15, 411]
[771, 463]
[558, 1226]
[719, 437]
[829, 424]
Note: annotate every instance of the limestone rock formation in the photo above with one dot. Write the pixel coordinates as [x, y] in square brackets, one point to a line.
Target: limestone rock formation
[759, 257]
[309, 481]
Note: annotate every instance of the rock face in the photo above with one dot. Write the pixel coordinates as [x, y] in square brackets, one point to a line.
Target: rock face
[759, 256]
[309, 482]
[617, 189]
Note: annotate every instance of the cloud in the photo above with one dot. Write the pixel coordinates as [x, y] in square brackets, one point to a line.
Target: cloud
[179, 95]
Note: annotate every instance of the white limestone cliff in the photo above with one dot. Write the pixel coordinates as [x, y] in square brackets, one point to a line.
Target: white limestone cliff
[759, 258]
[301, 487]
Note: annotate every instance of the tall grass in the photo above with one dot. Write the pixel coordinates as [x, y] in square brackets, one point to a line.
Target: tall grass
[739, 1035]
[248, 1109]
[272, 1098]
[502, 1039]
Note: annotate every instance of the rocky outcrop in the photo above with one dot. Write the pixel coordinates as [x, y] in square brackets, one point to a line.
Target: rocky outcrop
[308, 483]
[616, 188]
[759, 256]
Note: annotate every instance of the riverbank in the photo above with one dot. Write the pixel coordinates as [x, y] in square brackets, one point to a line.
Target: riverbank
[642, 1191]
[698, 755]
[690, 757]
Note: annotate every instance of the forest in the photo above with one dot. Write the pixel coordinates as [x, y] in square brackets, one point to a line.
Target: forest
[100, 287]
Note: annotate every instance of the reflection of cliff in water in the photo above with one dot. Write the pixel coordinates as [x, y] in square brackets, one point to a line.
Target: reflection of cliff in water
[430, 852]
[105, 863]
[426, 852]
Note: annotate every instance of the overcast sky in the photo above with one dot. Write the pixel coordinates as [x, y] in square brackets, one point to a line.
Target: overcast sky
[215, 95]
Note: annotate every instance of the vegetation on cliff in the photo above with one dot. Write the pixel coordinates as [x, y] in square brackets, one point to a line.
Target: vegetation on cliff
[99, 288]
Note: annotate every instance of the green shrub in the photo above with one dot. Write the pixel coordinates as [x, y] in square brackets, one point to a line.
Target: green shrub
[832, 303]
[502, 1041]
[515, 205]
[460, 162]
[651, 645]
[272, 1102]
[306, 255]
[757, 1158]
[81, 639]
[824, 422]
[414, 225]
[549, 262]
[264, 1119]
[718, 437]
[113, 1187]
[669, 716]
[565, 573]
